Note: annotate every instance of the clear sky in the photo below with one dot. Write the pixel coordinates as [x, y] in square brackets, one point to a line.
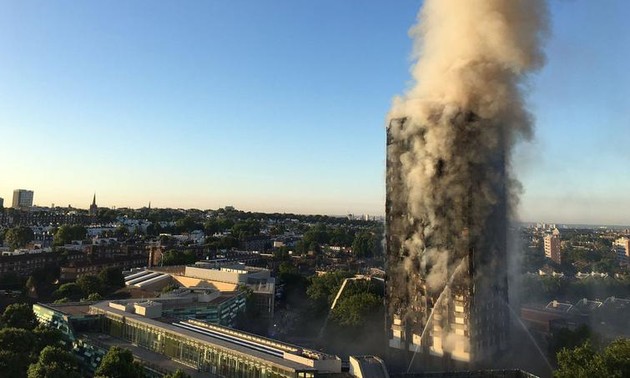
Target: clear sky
[279, 105]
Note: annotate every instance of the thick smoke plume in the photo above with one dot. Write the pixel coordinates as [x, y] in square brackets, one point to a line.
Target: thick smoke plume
[450, 141]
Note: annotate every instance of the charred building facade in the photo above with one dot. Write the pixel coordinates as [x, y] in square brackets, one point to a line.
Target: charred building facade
[449, 146]
[446, 240]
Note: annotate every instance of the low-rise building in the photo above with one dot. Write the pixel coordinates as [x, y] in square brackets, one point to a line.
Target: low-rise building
[164, 345]
[24, 263]
[258, 280]
[75, 269]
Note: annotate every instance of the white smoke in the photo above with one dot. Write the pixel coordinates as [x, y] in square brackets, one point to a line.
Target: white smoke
[474, 54]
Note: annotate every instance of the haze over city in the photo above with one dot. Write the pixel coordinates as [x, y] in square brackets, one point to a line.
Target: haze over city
[280, 106]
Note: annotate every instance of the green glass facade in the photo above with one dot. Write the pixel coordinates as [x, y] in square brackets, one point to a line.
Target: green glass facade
[71, 326]
[223, 313]
[204, 357]
[82, 330]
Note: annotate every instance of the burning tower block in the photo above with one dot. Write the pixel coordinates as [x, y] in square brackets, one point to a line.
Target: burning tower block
[446, 243]
[449, 144]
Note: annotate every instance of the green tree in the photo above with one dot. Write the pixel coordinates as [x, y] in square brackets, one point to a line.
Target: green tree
[93, 297]
[67, 233]
[18, 237]
[584, 362]
[174, 257]
[565, 338]
[245, 229]
[70, 290]
[228, 242]
[107, 215]
[211, 227]
[354, 310]
[121, 231]
[90, 284]
[112, 278]
[281, 253]
[41, 282]
[341, 237]
[318, 234]
[323, 289]
[294, 282]
[17, 351]
[54, 362]
[225, 223]
[154, 229]
[119, 363]
[289, 274]
[19, 315]
[177, 374]
[363, 244]
[187, 224]
[616, 358]
[47, 336]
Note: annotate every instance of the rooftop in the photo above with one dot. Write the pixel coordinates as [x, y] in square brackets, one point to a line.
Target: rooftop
[70, 308]
[266, 350]
[151, 359]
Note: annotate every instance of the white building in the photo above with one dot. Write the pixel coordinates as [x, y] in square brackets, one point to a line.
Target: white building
[622, 248]
[552, 247]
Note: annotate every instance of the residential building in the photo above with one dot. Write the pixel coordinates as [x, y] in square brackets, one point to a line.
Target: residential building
[24, 263]
[75, 269]
[622, 249]
[446, 292]
[42, 217]
[552, 248]
[22, 199]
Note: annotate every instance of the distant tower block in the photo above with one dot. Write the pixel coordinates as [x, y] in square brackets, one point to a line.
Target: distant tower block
[93, 207]
[552, 247]
[22, 199]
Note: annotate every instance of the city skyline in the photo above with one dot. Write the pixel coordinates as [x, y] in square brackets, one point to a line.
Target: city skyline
[279, 107]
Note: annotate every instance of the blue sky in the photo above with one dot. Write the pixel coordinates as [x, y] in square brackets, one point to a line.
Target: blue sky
[279, 105]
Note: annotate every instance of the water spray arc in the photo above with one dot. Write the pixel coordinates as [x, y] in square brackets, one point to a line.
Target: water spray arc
[320, 334]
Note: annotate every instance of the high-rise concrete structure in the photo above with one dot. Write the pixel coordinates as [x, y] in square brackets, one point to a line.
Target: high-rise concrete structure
[622, 249]
[22, 199]
[552, 247]
[1, 203]
[461, 318]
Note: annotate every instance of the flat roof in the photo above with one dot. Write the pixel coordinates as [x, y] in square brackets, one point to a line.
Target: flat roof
[70, 308]
[206, 339]
[175, 301]
[154, 359]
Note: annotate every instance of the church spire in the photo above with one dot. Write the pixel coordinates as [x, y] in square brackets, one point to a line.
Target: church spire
[93, 207]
